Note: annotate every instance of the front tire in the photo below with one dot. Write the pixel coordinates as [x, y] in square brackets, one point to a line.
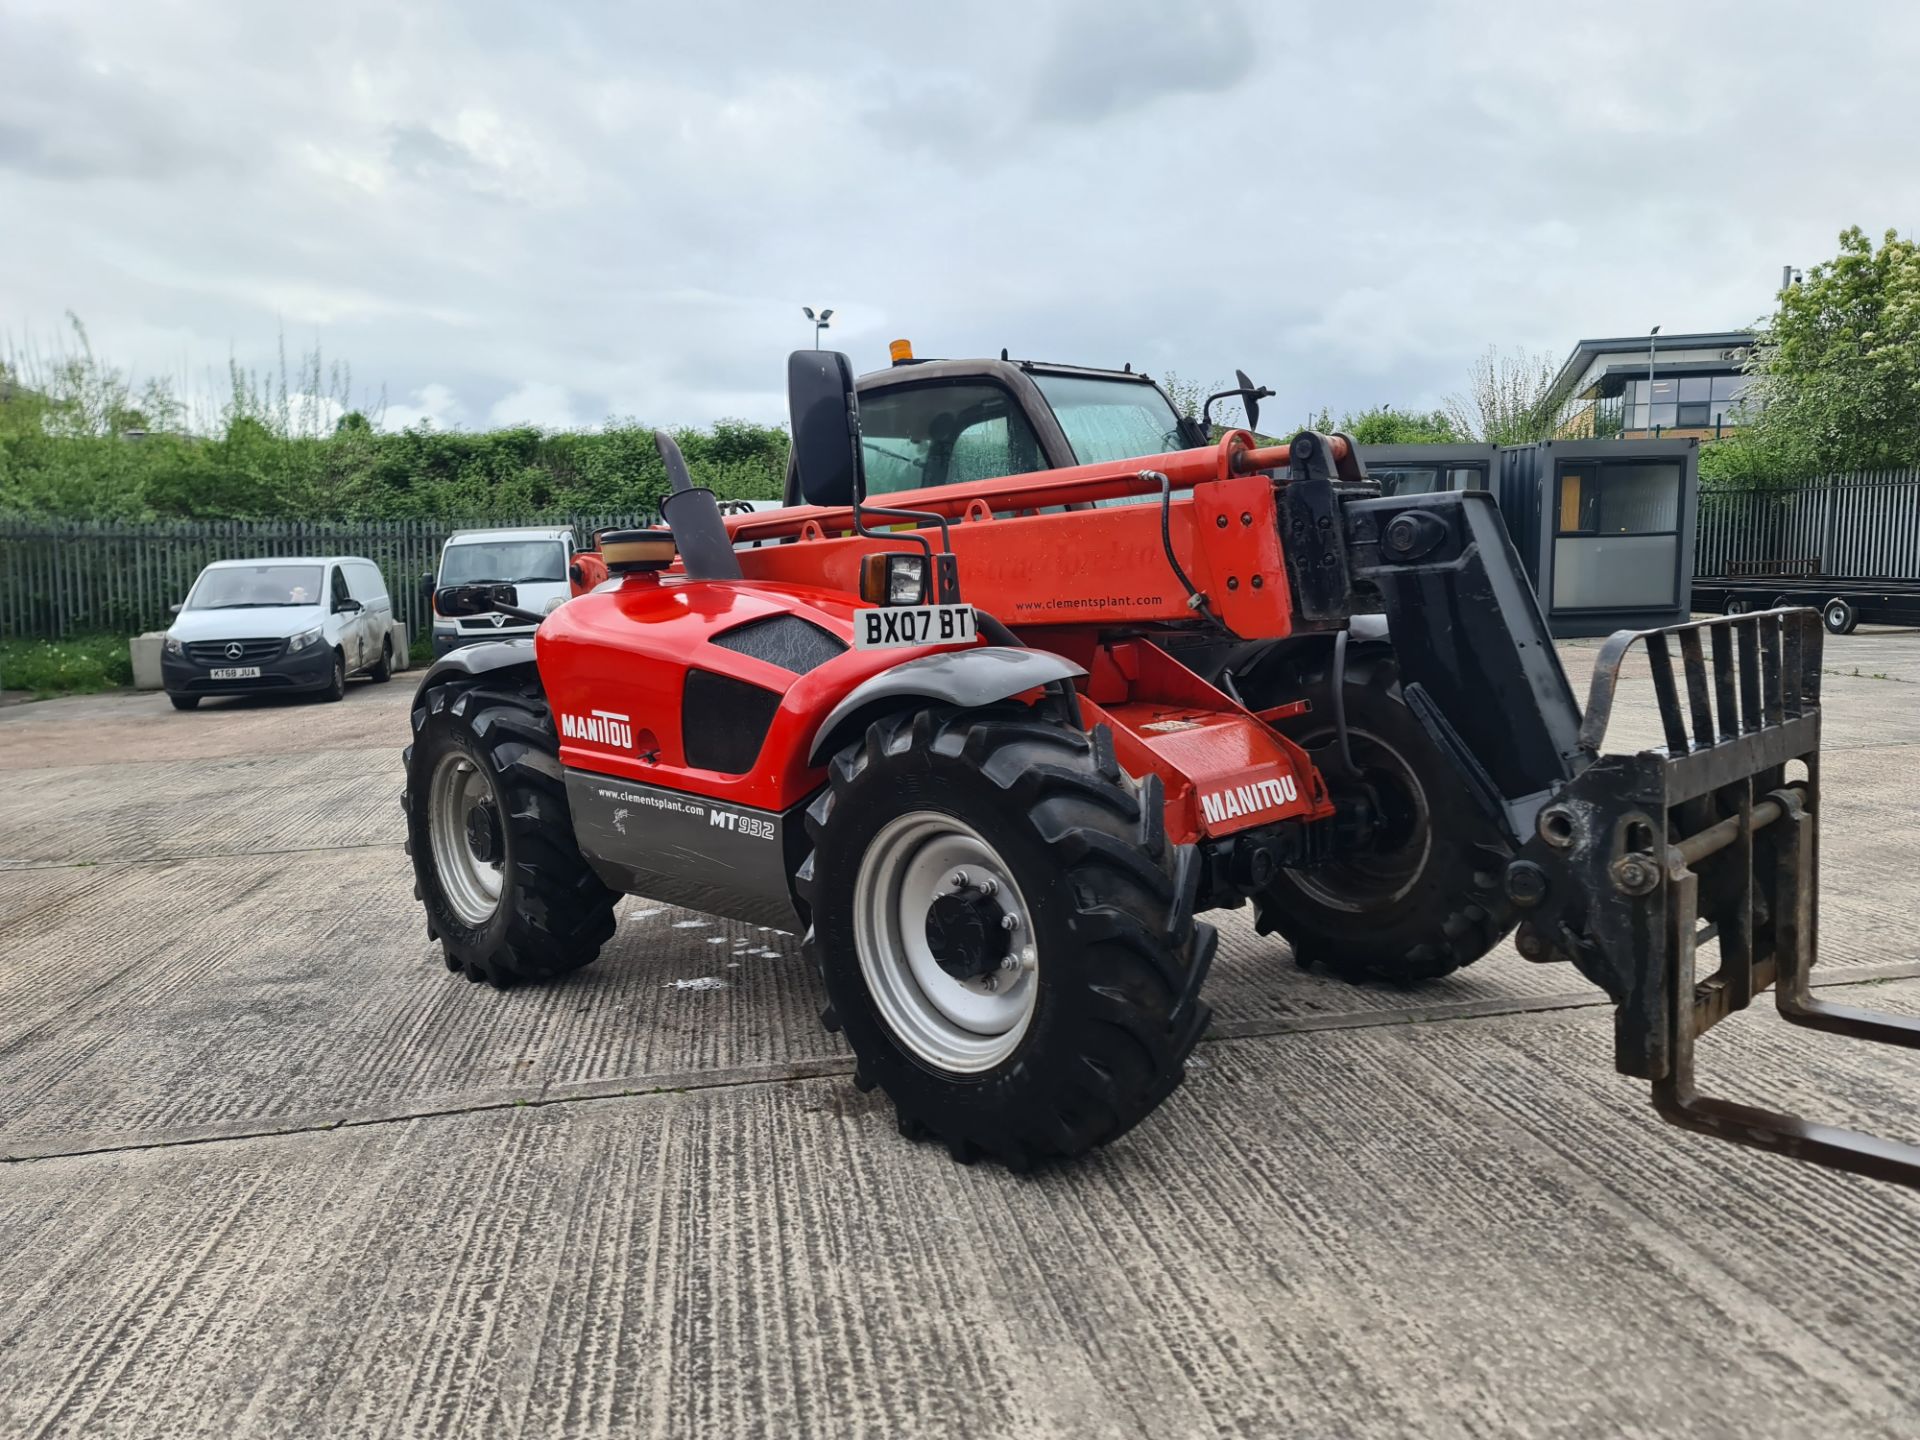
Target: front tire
[1839, 616]
[507, 892]
[185, 702]
[1027, 1041]
[1423, 897]
[336, 687]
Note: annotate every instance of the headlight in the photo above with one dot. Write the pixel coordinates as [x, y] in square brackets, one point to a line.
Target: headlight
[893, 578]
[303, 640]
[555, 603]
[173, 646]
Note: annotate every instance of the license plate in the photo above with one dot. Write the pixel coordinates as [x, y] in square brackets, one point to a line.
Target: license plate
[235, 672]
[887, 627]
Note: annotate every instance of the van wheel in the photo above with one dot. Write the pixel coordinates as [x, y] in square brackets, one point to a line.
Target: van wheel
[337, 688]
[185, 702]
[383, 672]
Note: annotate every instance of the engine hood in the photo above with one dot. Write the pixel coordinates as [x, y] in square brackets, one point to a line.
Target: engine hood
[241, 623]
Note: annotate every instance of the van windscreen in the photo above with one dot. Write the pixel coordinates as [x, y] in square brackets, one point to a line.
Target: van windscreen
[235, 587]
[503, 562]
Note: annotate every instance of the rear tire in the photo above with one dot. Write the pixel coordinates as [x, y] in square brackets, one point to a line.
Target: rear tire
[383, 672]
[1428, 898]
[1839, 616]
[1102, 968]
[507, 892]
[185, 702]
[1737, 606]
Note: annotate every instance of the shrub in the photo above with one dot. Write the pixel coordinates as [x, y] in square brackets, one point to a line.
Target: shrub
[65, 667]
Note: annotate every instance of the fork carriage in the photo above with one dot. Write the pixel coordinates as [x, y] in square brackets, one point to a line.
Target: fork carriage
[1644, 858]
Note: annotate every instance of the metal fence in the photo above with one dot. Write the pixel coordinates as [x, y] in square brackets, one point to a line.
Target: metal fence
[61, 579]
[1862, 524]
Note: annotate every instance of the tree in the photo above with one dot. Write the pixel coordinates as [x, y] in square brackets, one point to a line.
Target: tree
[1836, 372]
[1384, 425]
[1511, 399]
[1187, 396]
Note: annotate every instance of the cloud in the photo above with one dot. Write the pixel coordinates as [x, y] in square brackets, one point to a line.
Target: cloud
[1108, 57]
[434, 406]
[67, 118]
[503, 210]
[539, 403]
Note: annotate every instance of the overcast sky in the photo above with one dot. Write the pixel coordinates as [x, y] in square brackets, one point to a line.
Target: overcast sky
[560, 212]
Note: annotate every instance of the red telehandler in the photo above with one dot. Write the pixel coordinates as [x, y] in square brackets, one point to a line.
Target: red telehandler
[994, 745]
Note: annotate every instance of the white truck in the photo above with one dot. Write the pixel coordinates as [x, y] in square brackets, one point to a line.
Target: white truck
[533, 560]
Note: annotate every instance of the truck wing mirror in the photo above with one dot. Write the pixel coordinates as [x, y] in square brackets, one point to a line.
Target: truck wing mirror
[462, 601]
[826, 427]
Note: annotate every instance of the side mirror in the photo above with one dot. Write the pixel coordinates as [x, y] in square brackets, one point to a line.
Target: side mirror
[458, 601]
[826, 427]
[348, 606]
[175, 609]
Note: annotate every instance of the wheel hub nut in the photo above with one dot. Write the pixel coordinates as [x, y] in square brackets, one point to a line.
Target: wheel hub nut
[483, 833]
[967, 933]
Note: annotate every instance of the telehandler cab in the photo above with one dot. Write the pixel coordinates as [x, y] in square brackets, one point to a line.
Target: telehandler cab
[994, 745]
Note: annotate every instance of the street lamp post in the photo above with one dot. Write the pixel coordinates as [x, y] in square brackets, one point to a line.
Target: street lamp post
[1653, 336]
[820, 322]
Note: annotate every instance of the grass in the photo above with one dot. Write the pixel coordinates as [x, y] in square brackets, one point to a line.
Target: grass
[79, 666]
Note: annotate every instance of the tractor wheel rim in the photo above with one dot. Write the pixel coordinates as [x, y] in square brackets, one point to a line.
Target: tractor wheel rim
[471, 883]
[1366, 881]
[960, 1026]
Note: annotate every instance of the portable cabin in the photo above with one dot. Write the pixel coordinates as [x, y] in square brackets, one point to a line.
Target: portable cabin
[1604, 529]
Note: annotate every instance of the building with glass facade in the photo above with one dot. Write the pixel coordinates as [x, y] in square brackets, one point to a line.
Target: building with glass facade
[1655, 387]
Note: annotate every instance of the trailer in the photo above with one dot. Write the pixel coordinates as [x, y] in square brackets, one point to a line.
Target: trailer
[1845, 602]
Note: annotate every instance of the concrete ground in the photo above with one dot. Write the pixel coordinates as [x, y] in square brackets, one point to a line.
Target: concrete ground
[274, 1171]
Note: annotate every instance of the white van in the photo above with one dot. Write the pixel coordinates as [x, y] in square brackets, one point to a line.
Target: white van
[303, 623]
[534, 561]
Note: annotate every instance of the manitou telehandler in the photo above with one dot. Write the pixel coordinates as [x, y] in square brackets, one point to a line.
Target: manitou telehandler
[992, 746]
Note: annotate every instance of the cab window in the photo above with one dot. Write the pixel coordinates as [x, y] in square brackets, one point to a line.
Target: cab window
[1111, 419]
[340, 591]
[941, 434]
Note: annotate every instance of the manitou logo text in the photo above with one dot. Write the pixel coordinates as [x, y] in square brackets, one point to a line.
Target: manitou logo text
[1251, 799]
[602, 727]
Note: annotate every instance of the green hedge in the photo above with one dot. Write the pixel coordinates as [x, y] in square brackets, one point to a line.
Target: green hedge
[252, 473]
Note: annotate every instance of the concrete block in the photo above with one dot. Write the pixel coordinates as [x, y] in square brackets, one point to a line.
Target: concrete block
[402, 657]
[144, 650]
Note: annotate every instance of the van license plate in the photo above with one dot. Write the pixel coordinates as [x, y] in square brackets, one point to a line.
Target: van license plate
[887, 627]
[235, 672]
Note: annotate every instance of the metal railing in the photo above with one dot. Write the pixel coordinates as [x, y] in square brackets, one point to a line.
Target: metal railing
[1860, 524]
[73, 578]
